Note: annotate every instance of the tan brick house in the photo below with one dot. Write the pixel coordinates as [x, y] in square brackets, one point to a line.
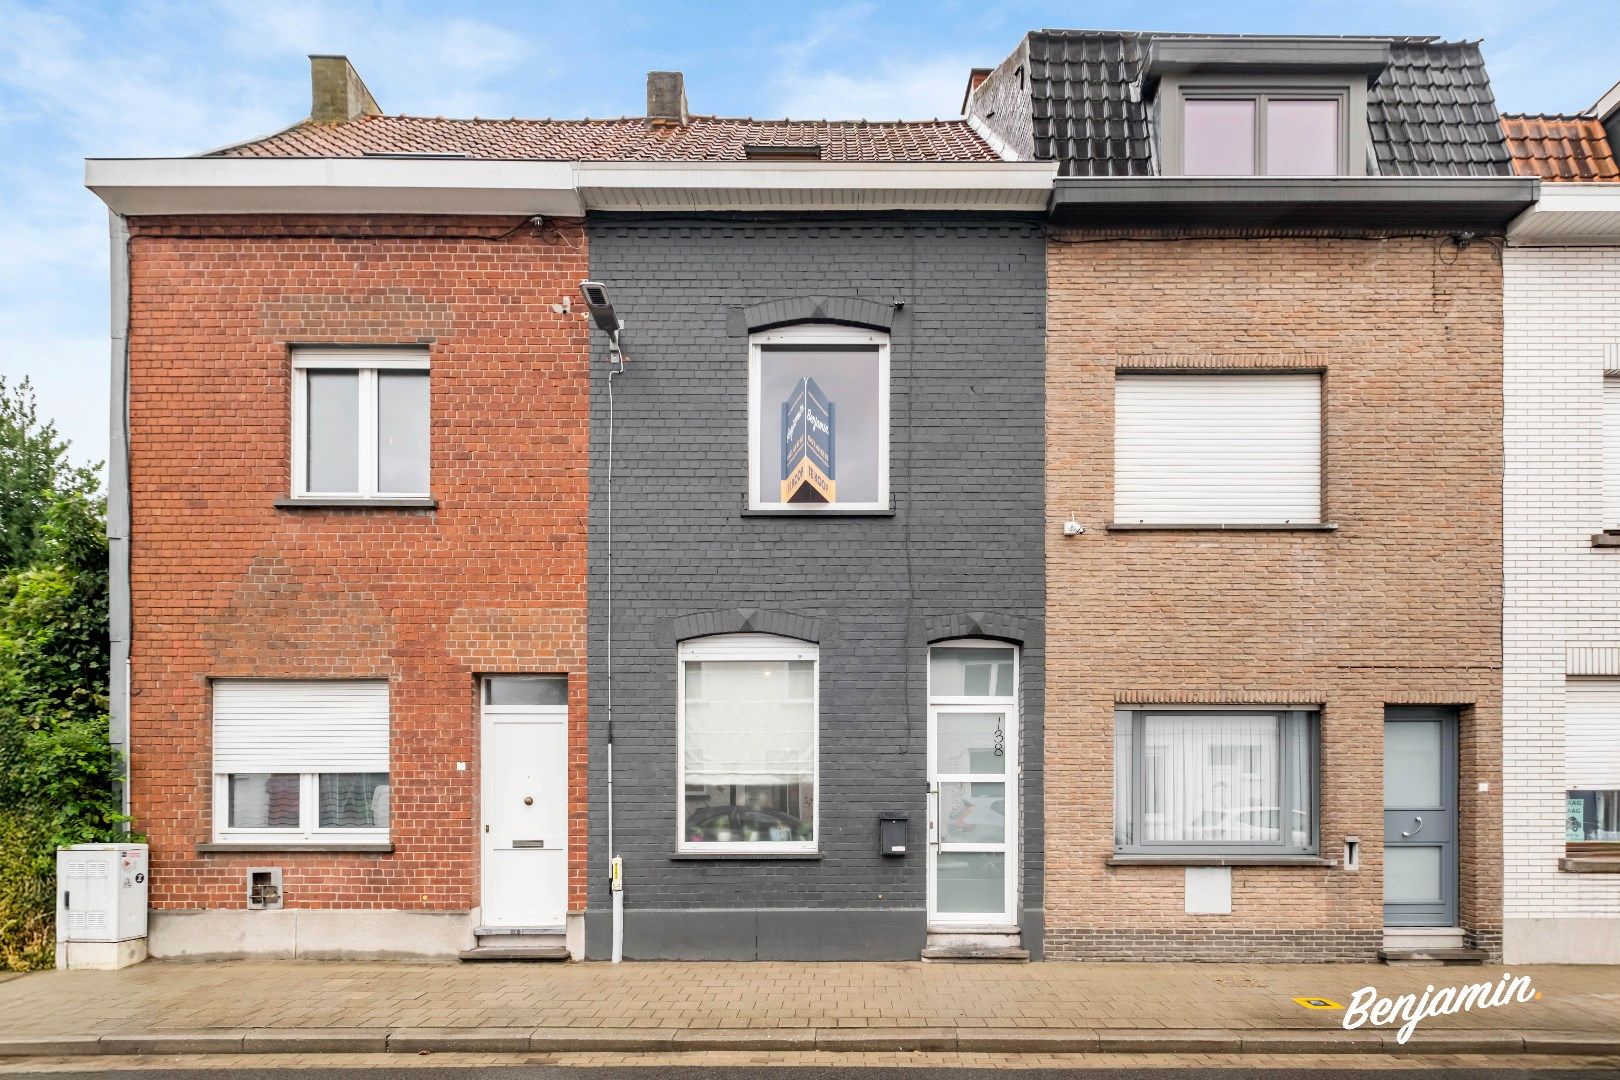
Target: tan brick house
[1273, 492]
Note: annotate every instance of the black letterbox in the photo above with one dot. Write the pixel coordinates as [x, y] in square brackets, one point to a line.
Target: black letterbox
[892, 833]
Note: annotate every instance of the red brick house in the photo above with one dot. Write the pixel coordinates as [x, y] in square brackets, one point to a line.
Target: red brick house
[349, 494]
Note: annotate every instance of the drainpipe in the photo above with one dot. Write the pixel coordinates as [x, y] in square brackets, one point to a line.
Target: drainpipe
[615, 864]
[118, 613]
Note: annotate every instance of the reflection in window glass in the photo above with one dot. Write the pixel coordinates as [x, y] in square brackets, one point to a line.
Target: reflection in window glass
[263, 801]
[521, 690]
[749, 751]
[1591, 816]
[1302, 137]
[334, 431]
[819, 428]
[354, 801]
[402, 432]
[1214, 781]
[972, 672]
[1218, 137]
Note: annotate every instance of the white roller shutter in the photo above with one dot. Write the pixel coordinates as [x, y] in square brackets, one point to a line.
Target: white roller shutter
[263, 725]
[1218, 449]
[1611, 452]
[1592, 733]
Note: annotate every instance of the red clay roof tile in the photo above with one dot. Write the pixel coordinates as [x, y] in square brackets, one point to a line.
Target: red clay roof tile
[705, 138]
[1559, 148]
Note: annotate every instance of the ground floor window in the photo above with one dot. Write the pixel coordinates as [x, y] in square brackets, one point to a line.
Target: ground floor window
[747, 734]
[1215, 782]
[1592, 760]
[301, 762]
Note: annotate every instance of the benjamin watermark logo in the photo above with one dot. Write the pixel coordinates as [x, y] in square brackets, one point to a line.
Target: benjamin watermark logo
[1367, 1007]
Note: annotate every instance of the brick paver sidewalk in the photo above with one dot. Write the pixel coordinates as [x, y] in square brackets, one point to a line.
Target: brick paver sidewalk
[825, 1001]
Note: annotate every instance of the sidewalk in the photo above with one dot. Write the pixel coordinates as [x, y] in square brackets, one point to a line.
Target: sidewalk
[331, 1007]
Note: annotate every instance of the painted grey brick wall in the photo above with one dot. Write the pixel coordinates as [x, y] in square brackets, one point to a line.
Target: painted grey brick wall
[966, 537]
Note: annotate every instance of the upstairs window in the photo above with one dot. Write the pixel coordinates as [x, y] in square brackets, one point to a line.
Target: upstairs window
[818, 407]
[360, 423]
[1262, 134]
[1228, 449]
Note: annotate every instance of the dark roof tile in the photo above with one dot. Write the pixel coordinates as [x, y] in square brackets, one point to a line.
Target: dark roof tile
[1430, 113]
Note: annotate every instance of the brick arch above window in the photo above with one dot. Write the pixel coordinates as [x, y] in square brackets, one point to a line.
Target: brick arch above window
[700, 624]
[788, 311]
[994, 625]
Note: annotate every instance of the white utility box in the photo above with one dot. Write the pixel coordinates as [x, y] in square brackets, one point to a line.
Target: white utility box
[101, 905]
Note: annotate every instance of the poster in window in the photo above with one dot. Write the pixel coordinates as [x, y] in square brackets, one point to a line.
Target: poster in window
[809, 468]
[819, 429]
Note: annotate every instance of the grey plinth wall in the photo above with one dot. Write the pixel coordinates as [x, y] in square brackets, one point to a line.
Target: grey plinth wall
[962, 554]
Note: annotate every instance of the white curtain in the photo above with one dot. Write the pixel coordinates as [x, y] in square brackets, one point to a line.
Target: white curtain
[1211, 778]
[750, 722]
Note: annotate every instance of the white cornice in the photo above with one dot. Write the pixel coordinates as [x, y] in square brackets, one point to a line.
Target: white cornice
[1570, 215]
[147, 186]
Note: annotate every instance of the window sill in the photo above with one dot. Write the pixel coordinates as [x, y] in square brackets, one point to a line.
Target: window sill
[1221, 860]
[227, 847]
[745, 856]
[1591, 864]
[1606, 540]
[339, 503]
[1129, 526]
[827, 512]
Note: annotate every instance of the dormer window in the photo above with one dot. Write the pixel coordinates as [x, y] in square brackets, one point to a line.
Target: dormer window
[1261, 134]
[1228, 106]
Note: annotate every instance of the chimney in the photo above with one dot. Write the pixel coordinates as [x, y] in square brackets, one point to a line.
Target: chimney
[666, 97]
[976, 77]
[336, 92]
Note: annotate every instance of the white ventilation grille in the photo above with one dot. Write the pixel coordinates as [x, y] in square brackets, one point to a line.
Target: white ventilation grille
[1218, 449]
[266, 726]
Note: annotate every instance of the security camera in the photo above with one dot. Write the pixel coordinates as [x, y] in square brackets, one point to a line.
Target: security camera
[601, 308]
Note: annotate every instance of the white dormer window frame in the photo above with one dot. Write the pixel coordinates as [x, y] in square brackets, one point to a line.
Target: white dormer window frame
[1349, 91]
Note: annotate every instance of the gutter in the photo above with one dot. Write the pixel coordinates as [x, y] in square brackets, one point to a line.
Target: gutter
[1433, 202]
[118, 584]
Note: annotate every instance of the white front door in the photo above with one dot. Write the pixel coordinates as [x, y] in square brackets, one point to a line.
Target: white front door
[525, 820]
[973, 784]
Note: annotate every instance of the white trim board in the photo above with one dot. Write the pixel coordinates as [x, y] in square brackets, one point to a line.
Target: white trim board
[142, 186]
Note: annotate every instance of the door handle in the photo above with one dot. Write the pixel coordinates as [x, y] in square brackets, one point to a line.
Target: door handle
[1414, 832]
[933, 816]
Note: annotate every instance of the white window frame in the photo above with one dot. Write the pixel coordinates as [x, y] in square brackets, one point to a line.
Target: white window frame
[1013, 746]
[745, 647]
[818, 334]
[1609, 449]
[308, 831]
[366, 363]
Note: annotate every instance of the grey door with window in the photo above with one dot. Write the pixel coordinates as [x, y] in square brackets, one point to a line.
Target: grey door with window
[1420, 815]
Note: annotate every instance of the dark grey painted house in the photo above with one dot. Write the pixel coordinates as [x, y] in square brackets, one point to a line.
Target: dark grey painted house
[827, 570]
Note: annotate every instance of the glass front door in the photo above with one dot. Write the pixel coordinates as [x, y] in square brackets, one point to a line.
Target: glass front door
[972, 789]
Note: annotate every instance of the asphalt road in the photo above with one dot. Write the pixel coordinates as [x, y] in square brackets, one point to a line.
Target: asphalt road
[820, 1072]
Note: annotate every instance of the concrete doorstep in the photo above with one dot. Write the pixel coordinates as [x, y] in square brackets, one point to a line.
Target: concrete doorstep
[666, 1040]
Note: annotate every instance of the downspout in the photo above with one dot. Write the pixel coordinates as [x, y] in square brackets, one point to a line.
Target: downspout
[615, 865]
[118, 585]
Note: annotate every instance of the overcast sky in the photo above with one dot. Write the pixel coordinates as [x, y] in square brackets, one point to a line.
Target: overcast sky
[133, 78]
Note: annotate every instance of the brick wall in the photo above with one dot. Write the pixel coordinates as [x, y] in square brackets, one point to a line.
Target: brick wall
[1400, 605]
[224, 584]
[965, 479]
[1562, 313]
